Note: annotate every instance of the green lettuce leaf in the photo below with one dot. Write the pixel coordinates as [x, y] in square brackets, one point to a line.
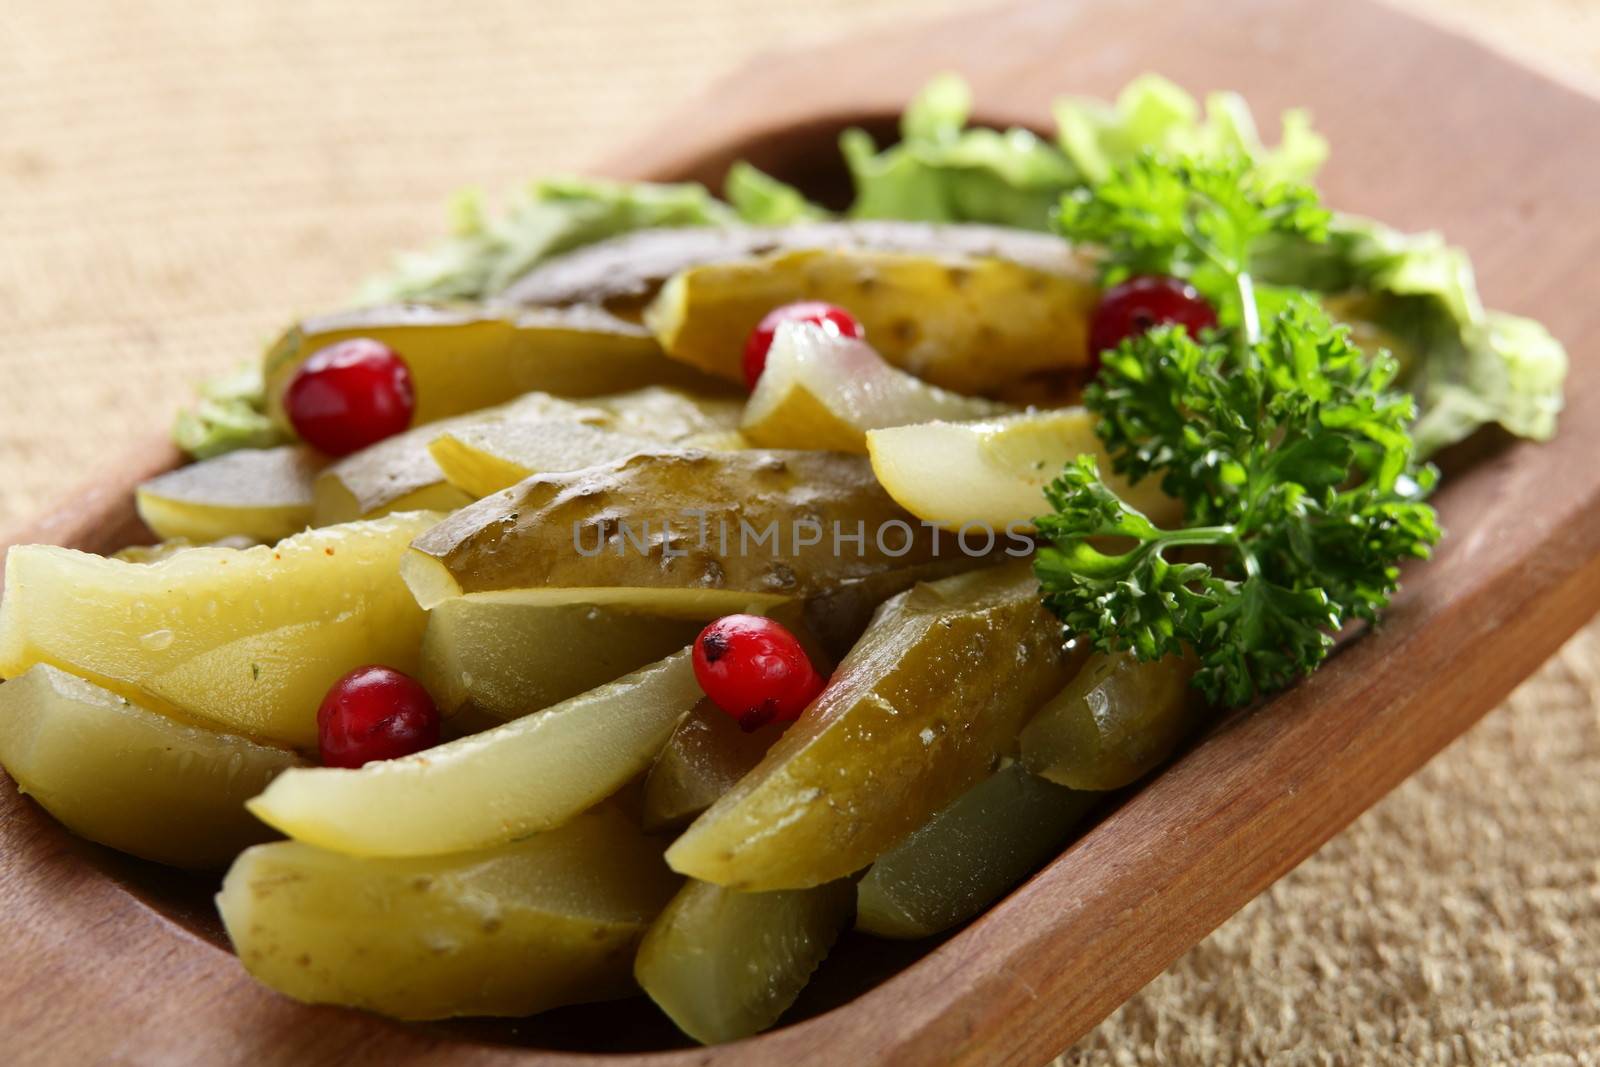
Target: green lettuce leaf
[484, 255]
[1151, 114]
[230, 415]
[762, 200]
[1507, 369]
[1467, 367]
[943, 171]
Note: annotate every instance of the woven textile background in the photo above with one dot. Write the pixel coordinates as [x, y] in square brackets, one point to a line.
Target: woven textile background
[178, 179]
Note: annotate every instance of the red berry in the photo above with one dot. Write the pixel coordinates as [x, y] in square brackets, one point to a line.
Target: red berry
[755, 670]
[350, 395]
[375, 713]
[1134, 306]
[836, 320]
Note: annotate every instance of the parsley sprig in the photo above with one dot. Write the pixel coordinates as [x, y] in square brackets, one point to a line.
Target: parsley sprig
[1193, 220]
[1286, 444]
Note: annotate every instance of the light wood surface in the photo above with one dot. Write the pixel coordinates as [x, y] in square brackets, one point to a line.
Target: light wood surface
[103, 959]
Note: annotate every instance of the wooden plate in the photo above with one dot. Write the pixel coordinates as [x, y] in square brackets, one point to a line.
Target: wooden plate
[104, 959]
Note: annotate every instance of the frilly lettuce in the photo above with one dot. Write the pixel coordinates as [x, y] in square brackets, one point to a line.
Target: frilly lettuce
[943, 171]
[483, 255]
[231, 415]
[1151, 114]
[1469, 367]
[762, 200]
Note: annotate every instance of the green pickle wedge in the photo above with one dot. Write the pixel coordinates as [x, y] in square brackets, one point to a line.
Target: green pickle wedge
[920, 710]
[261, 494]
[550, 920]
[1115, 723]
[725, 965]
[248, 639]
[706, 756]
[486, 789]
[685, 533]
[499, 661]
[970, 324]
[484, 457]
[464, 359]
[400, 472]
[969, 855]
[132, 778]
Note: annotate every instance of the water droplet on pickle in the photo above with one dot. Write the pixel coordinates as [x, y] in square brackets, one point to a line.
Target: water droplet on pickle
[156, 640]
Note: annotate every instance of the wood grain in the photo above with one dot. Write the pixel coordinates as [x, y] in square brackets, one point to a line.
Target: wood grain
[103, 960]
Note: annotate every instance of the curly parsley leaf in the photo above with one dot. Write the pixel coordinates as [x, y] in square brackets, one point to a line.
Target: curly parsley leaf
[1292, 457]
[1192, 219]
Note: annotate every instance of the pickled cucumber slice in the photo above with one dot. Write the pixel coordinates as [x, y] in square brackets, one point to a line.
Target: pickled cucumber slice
[129, 777]
[499, 661]
[1116, 722]
[486, 789]
[396, 474]
[249, 639]
[263, 494]
[969, 855]
[623, 273]
[974, 325]
[706, 756]
[485, 458]
[167, 549]
[449, 463]
[463, 359]
[837, 619]
[777, 526]
[725, 965]
[547, 921]
[919, 711]
[994, 471]
[820, 390]
[486, 461]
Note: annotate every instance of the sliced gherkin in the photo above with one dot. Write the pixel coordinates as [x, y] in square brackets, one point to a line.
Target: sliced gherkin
[994, 471]
[549, 920]
[464, 359]
[1116, 722]
[249, 639]
[968, 855]
[167, 549]
[725, 965]
[974, 325]
[623, 273]
[261, 494]
[483, 457]
[396, 474]
[129, 777]
[706, 756]
[399, 473]
[688, 533]
[448, 463]
[820, 390]
[527, 775]
[497, 661]
[918, 712]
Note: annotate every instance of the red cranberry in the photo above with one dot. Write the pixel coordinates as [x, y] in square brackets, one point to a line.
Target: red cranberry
[350, 395]
[1138, 304]
[836, 320]
[755, 670]
[375, 713]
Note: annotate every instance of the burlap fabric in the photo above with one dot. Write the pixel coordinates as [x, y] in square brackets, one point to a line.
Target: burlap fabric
[176, 179]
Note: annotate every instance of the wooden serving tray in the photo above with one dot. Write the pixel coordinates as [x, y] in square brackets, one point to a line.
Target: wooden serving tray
[105, 959]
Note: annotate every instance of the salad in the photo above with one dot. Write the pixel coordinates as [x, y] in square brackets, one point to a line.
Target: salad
[640, 589]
